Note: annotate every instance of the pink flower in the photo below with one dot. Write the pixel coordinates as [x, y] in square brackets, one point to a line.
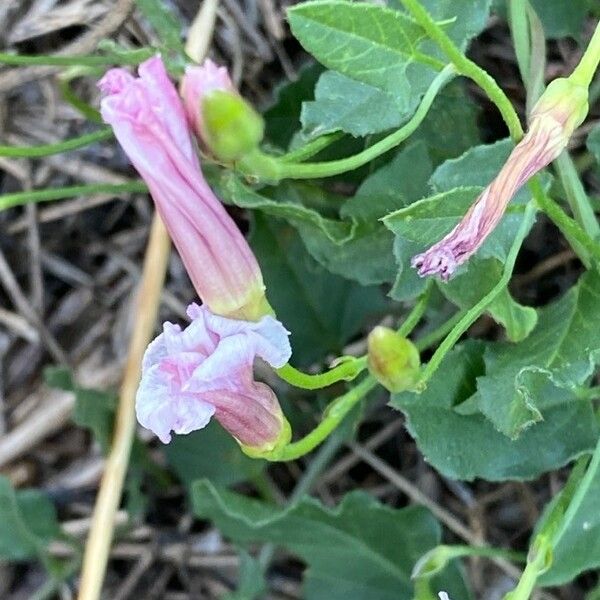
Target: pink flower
[554, 118]
[196, 84]
[149, 121]
[205, 369]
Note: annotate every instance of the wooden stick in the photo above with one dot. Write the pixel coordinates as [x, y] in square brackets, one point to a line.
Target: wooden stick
[99, 540]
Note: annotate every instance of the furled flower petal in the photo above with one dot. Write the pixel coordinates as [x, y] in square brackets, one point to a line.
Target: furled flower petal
[149, 121]
[205, 369]
[555, 116]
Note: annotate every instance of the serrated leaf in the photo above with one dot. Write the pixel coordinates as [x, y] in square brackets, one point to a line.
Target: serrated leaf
[28, 520]
[210, 453]
[359, 550]
[367, 42]
[524, 381]
[320, 309]
[466, 446]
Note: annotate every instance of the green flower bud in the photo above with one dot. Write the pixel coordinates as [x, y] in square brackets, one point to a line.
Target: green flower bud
[232, 128]
[393, 360]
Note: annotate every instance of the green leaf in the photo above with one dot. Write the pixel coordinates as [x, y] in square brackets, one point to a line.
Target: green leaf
[320, 309]
[344, 104]
[593, 144]
[578, 548]
[94, 409]
[523, 382]
[232, 190]
[368, 256]
[251, 582]
[167, 26]
[462, 20]
[467, 289]
[28, 520]
[369, 43]
[282, 119]
[459, 181]
[210, 453]
[466, 446]
[359, 550]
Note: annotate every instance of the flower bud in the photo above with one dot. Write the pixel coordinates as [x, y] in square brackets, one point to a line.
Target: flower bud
[233, 128]
[223, 121]
[393, 360]
[148, 119]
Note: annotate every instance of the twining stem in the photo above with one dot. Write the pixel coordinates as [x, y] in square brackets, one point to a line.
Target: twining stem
[311, 148]
[334, 415]
[19, 198]
[148, 299]
[467, 67]
[47, 149]
[272, 168]
[418, 310]
[347, 370]
[471, 315]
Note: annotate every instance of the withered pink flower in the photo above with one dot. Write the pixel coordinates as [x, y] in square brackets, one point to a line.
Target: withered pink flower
[196, 84]
[205, 369]
[149, 121]
[555, 116]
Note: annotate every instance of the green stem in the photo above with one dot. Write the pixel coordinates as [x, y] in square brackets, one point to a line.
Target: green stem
[333, 416]
[417, 312]
[584, 72]
[576, 196]
[347, 370]
[537, 563]
[132, 58]
[19, 198]
[270, 168]
[48, 149]
[467, 67]
[584, 246]
[439, 333]
[311, 148]
[471, 315]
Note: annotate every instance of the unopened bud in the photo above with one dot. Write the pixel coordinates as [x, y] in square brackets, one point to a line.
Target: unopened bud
[232, 127]
[393, 360]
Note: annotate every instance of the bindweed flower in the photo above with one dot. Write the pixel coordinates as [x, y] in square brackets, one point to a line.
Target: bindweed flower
[205, 369]
[223, 121]
[393, 360]
[561, 109]
[149, 121]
